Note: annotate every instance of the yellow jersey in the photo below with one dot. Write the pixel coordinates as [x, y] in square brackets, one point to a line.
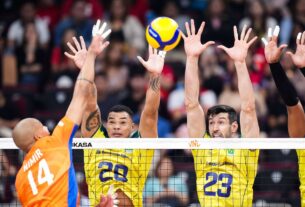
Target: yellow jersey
[125, 169]
[225, 177]
[301, 161]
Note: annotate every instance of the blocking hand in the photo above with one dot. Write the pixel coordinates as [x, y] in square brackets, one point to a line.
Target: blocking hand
[240, 49]
[98, 43]
[192, 42]
[155, 61]
[298, 58]
[272, 51]
[79, 53]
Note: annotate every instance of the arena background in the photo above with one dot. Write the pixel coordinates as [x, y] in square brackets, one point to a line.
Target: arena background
[37, 79]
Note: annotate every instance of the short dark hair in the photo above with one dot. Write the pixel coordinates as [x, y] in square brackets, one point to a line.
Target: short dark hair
[232, 114]
[121, 108]
[223, 109]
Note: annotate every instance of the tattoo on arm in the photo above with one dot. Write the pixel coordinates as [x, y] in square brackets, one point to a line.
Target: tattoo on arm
[93, 121]
[154, 83]
[84, 79]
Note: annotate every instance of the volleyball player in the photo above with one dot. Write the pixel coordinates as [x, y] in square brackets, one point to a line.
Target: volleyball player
[296, 115]
[47, 176]
[224, 177]
[126, 170]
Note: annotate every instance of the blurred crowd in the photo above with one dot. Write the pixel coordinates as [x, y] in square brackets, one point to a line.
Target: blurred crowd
[37, 79]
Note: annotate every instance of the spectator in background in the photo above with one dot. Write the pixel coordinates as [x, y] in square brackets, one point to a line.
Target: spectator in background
[9, 116]
[257, 18]
[93, 8]
[218, 23]
[105, 100]
[280, 10]
[298, 12]
[27, 15]
[137, 89]
[31, 58]
[49, 12]
[165, 187]
[171, 8]
[167, 82]
[139, 9]
[60, 64]
[115, 66]
[121, 22]
[76, 20]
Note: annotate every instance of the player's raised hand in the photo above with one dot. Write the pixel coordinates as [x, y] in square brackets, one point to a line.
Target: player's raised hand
[110, 200]
[98, 43]
[272, 51]
[298, 58]
[241, 45]
[192, 41]
[79, 52]
[155, 61]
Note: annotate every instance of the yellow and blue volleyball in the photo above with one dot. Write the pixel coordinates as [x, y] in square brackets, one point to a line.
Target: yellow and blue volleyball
[163, 34]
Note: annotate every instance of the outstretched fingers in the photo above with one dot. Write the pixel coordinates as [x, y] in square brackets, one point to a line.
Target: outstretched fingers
[201, 28]
[252, 41]
[187, 27]
[224, 48]
[193, 30]
[82, 42]
[71, 48]
[69, 55]
[303, 38]
[76, 43]
[248, 34]
[235, 32]
[243, 32]
[182, 34]
[142, 61]
[276, 33]
[207, 44]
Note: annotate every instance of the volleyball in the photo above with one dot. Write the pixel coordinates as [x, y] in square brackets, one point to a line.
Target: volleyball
[163, 33]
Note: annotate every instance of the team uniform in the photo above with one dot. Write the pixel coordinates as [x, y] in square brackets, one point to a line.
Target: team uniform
[125, 169]
[225, 177]
[47, 176]
[301, 161]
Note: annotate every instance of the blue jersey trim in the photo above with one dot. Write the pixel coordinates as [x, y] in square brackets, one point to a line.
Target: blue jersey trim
[73, 187]
[153, 33]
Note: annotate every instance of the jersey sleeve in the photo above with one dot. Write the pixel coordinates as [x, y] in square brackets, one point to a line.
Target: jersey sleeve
[65, 130]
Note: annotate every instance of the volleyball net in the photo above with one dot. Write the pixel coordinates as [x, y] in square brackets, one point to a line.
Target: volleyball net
[178, 171]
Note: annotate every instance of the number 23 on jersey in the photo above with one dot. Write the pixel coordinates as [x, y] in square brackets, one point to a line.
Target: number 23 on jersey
[223, 182]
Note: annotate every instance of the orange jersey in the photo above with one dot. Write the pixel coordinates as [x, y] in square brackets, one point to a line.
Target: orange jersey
[47, 176]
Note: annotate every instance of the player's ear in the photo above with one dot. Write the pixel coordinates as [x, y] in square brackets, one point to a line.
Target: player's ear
[234, 127]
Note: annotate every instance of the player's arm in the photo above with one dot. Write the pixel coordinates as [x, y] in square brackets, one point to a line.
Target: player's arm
[296, 116]
[91, 117]
[193, 48]
[149, 117]
[238, 53]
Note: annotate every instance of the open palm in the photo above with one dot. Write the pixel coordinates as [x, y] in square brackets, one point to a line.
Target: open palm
[298, 58]
[98, 44]
[192, 42]
[155, 61]
[240, 49]
[80, 52]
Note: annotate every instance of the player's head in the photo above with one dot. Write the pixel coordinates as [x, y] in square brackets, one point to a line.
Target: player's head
[222, 121]
[119, 122]
[27, 132]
